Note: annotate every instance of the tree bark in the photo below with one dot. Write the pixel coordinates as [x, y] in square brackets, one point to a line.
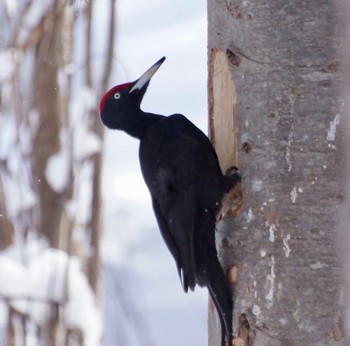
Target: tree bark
[47, 101]
[344, 9]
[282, 57]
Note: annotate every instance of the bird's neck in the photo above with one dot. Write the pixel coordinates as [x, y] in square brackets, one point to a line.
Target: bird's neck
[139, 124]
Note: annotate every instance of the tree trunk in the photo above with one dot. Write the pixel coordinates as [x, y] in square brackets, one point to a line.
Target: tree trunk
[278, 60]
[47, 101]
[50, 168]
[344, 8]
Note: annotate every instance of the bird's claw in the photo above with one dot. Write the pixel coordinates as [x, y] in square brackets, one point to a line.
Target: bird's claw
[232, 201]
[233, 171]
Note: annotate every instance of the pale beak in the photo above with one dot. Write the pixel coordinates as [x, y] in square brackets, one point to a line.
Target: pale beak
[145, 78]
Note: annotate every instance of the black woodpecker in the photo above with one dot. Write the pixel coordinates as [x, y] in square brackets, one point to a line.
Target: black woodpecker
[182, 172]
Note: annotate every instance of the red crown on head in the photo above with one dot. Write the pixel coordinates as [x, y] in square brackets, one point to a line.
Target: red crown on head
[110, 92]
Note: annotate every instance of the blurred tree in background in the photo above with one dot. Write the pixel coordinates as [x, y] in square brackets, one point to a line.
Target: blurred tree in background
[54, 66]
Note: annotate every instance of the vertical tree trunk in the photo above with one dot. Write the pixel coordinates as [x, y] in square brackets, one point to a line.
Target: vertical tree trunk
[344, 9]
[284, 69]
[96, 158]
[47, 101]
[50, 167]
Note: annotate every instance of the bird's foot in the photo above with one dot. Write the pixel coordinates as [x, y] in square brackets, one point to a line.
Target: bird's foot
[233, 171]
[232, 201]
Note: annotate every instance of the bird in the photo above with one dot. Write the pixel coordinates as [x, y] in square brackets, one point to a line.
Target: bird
[181, 170]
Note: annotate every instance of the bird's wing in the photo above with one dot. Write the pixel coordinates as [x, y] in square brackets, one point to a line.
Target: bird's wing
[164, 229]
[175, 214]
[180, 168]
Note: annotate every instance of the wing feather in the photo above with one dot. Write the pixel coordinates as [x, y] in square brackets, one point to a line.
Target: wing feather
[182, 173]
[176, 223]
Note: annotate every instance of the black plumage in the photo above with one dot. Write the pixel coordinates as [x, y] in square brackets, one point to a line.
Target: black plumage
[182, 172]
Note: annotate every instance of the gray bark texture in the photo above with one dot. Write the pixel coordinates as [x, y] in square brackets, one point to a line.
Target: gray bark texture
[288, 112]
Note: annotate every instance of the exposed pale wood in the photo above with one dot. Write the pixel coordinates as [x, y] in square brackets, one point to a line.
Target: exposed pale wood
[222, 110]
[223, 134]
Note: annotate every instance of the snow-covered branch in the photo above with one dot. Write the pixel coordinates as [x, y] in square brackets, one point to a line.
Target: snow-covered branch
[49, 276]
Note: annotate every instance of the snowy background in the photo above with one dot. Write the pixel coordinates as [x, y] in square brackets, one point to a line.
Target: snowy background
[143, 294]
[142, 299]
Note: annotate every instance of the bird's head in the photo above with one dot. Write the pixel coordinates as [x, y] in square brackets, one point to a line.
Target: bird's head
[122, 101]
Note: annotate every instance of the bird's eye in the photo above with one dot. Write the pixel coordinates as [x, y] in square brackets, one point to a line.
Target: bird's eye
[117, 96]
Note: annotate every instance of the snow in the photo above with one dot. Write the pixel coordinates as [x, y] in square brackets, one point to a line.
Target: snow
[58, 166]
[331, 133]
[82, 311]
[271, 279]
[35, 273]
[19, 196]
[81, 206]
[41, 275]
[256, 310]
[7, 58]
[288, 154]
[85, 141]
[250, 215]
[57, 171]
[317, 265]
[8, 135]
[3, 322]
[294, 195]
[11, 6]
[33, 16]
[286, 247]
[272, 230]
[13, 275]
[257, 185]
